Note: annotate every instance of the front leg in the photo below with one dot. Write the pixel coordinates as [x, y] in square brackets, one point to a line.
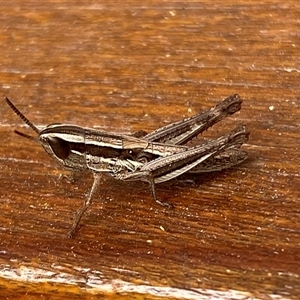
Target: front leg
[86, 204]
[72, 177]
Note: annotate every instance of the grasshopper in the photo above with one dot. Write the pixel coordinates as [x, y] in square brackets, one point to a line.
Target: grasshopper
[153, 157]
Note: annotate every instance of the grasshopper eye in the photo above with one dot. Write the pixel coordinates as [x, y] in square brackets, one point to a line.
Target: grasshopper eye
[59, 147]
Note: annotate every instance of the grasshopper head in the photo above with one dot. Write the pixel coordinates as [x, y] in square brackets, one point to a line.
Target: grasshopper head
[64, 143]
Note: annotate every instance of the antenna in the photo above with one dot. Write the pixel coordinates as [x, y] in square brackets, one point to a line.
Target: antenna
[23, 118]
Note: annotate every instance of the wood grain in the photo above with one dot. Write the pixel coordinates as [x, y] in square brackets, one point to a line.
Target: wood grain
[123, 67]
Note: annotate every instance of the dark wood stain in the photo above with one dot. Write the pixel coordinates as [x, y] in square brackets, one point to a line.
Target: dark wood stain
[130, 67]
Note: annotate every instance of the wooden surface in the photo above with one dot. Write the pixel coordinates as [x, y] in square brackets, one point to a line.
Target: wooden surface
[128, 66]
